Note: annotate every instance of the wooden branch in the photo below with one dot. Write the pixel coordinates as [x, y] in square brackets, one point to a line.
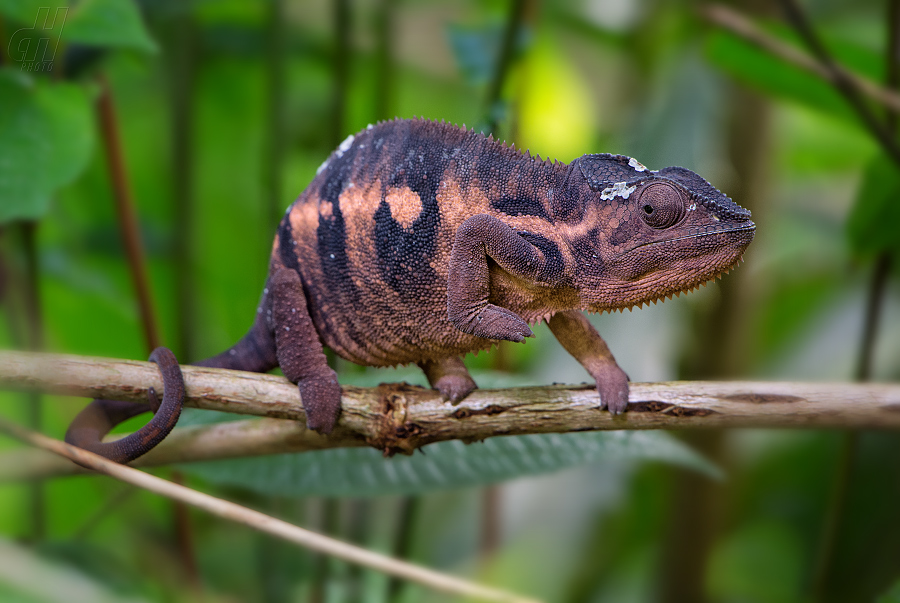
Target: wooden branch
[744, 27]
[264, 523]
[400, 418]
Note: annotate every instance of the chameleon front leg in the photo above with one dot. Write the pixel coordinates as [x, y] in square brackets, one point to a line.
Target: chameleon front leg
[450, 377]
[468, 284]
[300, 353]
[581, 340]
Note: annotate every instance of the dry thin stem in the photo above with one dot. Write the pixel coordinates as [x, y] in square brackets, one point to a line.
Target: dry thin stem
[127, 216]
[744, 27]
[262, 522]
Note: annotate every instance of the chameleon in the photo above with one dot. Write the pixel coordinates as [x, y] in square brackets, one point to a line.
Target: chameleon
[418, 241]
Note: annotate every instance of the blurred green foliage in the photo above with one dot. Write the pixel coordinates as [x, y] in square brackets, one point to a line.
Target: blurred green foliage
[47, 138]
[649, 79]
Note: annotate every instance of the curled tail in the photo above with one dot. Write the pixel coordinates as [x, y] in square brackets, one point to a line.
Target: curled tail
[254, 352]
[100, 416]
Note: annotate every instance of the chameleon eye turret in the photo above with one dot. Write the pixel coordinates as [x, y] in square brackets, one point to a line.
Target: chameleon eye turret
[662, 205]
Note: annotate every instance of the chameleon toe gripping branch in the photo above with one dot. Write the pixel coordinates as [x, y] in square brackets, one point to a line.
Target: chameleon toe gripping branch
[418, 242]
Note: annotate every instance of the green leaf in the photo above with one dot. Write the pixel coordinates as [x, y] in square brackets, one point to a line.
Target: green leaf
[872, 224]
[46, 139]
[26, 12]
[364, 472]
[110, 23]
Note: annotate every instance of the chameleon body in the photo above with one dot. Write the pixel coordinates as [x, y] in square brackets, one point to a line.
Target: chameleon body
[418, 242]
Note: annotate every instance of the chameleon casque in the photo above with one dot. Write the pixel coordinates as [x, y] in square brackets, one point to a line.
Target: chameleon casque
[419, 241]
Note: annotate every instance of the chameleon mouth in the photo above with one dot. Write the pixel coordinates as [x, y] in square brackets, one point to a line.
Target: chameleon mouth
[749, 227]
[661, 283]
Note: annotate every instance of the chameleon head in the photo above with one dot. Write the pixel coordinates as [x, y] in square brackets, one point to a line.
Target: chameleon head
[645, 234]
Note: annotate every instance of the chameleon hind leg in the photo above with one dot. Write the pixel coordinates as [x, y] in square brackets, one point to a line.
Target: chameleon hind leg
[300, 353]
[450, 377]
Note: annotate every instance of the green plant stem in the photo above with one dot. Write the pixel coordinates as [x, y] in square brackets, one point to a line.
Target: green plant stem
[384, 59]
[276, 113]
[340, 69]
[4, 56]
[183, 74]
[410, 512]
[503, 64]
[35, 342]
[125, 211]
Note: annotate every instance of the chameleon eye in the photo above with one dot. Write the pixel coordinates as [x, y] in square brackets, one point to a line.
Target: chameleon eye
[661, 205]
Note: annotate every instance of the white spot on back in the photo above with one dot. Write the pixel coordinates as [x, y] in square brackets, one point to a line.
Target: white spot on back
[637, 165]
[619, 189]
[344, 146]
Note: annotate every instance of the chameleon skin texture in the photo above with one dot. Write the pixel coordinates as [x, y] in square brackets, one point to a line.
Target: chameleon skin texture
[418, 242]
[373, 237]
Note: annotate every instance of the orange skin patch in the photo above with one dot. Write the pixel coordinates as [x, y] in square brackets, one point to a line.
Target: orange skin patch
[405, 205]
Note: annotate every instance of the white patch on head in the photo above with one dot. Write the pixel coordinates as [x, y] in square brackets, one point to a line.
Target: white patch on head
[637, 165]
[619, 189]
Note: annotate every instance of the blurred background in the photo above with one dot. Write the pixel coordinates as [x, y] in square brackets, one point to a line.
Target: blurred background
[178, 132]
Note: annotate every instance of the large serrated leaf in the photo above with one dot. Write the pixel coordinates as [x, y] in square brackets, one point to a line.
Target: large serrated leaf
[872, 224]
[364, 472]
[46, 138]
